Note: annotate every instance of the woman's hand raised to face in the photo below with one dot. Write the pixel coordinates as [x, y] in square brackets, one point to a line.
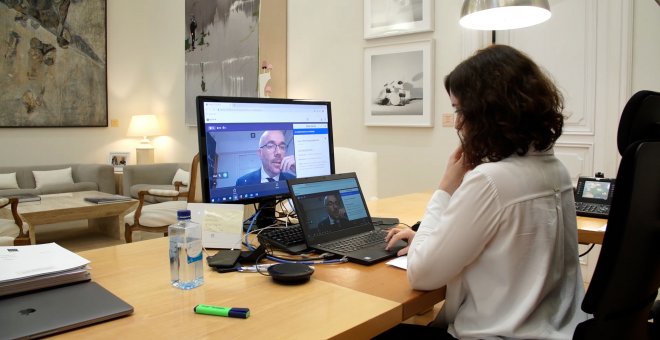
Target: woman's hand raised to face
[456, 169]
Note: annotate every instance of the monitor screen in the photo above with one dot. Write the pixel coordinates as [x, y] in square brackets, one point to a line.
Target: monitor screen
[596, 190]
[249, 147]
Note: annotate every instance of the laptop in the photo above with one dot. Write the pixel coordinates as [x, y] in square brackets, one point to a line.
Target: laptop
[334, 216]
[47, 312]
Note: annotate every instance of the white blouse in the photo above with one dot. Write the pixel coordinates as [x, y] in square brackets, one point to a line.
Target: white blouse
[505, 245]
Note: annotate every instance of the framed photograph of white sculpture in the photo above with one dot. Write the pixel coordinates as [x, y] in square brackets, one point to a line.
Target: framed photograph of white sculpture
[398, 85]
[383, 18]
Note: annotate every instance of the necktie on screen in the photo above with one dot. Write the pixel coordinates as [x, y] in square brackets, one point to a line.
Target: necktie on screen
[270, 179]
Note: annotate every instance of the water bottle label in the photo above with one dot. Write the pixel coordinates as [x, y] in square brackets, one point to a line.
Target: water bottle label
[194, 251]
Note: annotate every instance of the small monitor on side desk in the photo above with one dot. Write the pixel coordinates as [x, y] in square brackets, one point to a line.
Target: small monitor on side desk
[249, 147]
[593, 196]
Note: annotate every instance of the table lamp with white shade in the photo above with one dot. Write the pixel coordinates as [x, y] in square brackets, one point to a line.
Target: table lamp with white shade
[144, 126]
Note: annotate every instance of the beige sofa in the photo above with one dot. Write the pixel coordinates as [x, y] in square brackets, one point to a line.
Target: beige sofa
[96, 177]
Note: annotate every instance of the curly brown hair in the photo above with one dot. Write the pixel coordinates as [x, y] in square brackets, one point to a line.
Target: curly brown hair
[506, 105]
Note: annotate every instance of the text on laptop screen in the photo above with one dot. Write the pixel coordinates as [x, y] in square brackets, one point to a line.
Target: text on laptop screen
[249, 147]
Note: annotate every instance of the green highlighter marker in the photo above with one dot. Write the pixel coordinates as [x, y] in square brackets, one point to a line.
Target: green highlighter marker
[232, 312]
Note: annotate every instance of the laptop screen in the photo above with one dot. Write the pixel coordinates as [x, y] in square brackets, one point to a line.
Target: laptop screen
[330, 207]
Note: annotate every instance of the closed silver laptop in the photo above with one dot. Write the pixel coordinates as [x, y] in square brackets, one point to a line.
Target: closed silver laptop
[55, 310]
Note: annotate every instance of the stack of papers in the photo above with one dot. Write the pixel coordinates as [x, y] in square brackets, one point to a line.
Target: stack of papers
[26, 268]
[399, 262]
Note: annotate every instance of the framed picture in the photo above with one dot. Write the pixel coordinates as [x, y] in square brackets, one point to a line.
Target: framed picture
[398, 85]
[54, 71]
[221, 51]
[383, 18]
[118, 160]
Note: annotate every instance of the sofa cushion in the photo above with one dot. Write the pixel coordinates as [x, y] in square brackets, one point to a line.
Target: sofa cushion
[44, 178]
[157, 215]
[8, 181]
[73, 187]
[135, 189]
[6, 241]
[182, 176]
[9, 229]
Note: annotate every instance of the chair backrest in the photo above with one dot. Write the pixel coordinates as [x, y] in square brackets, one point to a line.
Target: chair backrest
[195, 195]
[364, 164]
[627, 275]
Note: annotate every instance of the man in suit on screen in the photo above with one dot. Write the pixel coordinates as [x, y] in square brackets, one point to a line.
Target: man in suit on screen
[336, 213]
[275, 165]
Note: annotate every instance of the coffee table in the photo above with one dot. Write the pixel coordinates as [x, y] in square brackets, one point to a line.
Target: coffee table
[65, 207]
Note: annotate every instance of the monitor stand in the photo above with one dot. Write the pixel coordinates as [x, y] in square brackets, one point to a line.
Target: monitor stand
[266, 215]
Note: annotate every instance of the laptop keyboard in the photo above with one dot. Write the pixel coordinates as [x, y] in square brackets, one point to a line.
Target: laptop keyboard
[289, 239]
[357, 242]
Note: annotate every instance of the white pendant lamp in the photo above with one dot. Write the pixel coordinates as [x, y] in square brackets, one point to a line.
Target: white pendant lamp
[495, 15]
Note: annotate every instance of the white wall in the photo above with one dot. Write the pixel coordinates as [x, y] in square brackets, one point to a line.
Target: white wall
[646, 46]
[325, 61]
[145, 75]
[326, 45]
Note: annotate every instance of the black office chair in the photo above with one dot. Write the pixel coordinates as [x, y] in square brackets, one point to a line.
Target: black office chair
[625, 283]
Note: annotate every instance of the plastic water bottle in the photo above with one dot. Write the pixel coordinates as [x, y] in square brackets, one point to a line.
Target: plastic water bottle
[186, 265]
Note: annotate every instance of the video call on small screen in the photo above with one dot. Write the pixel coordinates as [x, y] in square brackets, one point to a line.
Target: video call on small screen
[596, 190]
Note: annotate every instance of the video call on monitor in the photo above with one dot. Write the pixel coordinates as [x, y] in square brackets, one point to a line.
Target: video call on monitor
[249, 147]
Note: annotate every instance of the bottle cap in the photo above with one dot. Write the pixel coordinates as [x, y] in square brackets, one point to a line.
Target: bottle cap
[183, 214]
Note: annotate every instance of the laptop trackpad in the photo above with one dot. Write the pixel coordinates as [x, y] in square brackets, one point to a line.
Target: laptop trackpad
[378, 251]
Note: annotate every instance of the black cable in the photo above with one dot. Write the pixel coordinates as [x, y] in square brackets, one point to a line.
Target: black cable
[256, 264]
[300, 258]
[588, 250]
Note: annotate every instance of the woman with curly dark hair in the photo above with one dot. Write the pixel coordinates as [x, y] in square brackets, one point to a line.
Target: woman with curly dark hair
[500, 232]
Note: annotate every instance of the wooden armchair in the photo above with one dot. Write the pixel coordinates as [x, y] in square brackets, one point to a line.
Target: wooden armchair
[11, 230]
[158, 216]
[139, 177]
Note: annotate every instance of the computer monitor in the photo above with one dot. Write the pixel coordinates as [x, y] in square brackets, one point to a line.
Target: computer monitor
[248, 147]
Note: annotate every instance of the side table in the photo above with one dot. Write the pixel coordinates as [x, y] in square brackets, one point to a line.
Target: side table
[119, 182]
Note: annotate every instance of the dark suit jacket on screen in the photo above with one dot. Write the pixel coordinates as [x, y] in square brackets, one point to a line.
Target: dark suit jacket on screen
[324, 225]
[254, 177]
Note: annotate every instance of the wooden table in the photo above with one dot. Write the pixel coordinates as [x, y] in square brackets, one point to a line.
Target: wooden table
[340, 301]
[139, 274]
[590, 230]
[55, 208]
[410, 209]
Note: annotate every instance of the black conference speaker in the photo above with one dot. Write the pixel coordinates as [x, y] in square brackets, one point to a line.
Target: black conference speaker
[290, 273]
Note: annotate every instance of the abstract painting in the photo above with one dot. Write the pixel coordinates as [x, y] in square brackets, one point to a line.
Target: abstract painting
[222, 49]
[53, 67]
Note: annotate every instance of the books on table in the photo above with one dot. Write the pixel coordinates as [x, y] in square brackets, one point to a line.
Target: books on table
[24, 197]
[107, 199]
[27, 268]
